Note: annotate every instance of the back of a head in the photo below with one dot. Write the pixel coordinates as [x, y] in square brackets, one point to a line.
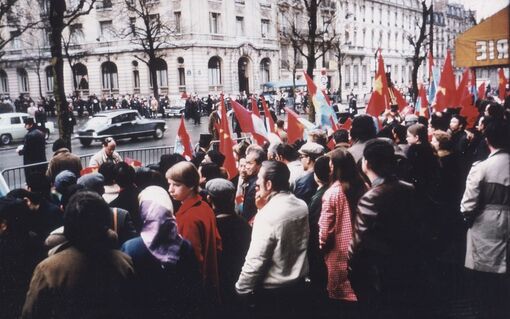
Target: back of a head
[363, 128]
[210, 171]
[146, 177]
[380, 157]
[107, 170]
[86, 221]
[289, 153]
[497, 133]
[14, 214]
[400, 131]
[278, 173]
[93, 182]
[420, 131]
[216, 157]
[222, 193]
[168, 160]
[124, 175]
[344, 166]
[58, 144]
[39, 183]
[341, 136]
[321, 169]
[21, 193]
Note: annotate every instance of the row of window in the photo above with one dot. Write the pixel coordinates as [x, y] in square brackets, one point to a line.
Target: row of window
[110, 78]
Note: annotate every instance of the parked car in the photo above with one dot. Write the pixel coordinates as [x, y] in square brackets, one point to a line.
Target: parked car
[12, 127]
[119, 124]
[175, 107]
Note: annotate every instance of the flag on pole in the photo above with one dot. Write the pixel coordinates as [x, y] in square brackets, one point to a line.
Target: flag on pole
[380, 98]
[481, 91]
[323, 111]
[399, 99]
[446, 91]
[460, 90]
[183, 142]
[226, 142]
[250, 123]
[255, 107]
[502, 81]
[422, 105]
[267, 115]
[295, 129]
[432, 89]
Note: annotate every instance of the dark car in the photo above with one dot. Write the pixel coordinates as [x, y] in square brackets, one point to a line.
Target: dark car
[119, 124]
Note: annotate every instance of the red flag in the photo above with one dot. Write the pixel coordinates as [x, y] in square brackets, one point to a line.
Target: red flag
[347, 124]
[255, 107]
[502, 84]
[481, 91]
[185, 140]
[268, 116]
[401, 102]
[331, 144]
[469, 111]
[446, 90]
[184, 96]
[226, 142]
[295, 129]
[380, 98]
[424, 104]
[460, 90]
[244, 117]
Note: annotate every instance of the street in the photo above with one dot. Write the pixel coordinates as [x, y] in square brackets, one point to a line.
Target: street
[11, 159]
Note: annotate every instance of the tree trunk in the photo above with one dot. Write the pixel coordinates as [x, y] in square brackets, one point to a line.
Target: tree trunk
[310, 57]
[339, 79]
[39, 82]
[154, 77]
[57, 9]
[414, 79]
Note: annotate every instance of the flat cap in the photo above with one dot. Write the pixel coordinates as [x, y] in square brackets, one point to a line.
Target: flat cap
[311, 148]
[220, 188]
[63, 180]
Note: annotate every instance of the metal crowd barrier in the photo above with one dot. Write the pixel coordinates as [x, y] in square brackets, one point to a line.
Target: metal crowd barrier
[14, 177]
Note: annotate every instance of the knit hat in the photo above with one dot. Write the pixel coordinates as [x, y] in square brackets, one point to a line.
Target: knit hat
[63, 180]
[93, 181]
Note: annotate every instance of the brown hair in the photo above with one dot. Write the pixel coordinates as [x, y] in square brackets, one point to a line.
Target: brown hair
[420, 131]
[444, 140]
[346, 172]
[185, 173]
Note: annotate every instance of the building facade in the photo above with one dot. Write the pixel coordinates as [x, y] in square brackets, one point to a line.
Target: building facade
[223, 46]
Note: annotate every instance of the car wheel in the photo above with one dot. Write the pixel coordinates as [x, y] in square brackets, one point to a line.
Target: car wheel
[6, 139]
[85, 142]
[158, 133]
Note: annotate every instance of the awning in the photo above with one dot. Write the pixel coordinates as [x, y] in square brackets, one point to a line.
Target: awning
[485, 44]
[283, 84]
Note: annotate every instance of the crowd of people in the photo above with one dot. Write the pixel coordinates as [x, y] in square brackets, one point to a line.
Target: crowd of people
[393, 222]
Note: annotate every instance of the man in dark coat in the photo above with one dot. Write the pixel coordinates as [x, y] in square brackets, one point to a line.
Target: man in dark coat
[255, 155]
[34, 148]
[383, 257]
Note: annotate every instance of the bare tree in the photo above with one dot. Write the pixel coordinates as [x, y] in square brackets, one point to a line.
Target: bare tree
[148, 31]
[313, 42]
[15, 19]
[60, 16]
[419, 44]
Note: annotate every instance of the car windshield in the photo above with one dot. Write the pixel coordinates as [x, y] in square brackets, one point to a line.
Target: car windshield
[97, 122]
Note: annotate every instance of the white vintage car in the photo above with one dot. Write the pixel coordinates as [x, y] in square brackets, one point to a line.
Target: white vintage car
[12, 128]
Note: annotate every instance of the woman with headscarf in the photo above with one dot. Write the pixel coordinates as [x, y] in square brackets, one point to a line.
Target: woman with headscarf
[169, 281]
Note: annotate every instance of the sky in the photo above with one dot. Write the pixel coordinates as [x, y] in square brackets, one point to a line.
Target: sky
[483, 8]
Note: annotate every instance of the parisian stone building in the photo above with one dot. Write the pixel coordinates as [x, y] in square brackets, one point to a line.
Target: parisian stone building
[226, 46]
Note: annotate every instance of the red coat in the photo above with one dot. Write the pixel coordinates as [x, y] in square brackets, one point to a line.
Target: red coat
[196, 222]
